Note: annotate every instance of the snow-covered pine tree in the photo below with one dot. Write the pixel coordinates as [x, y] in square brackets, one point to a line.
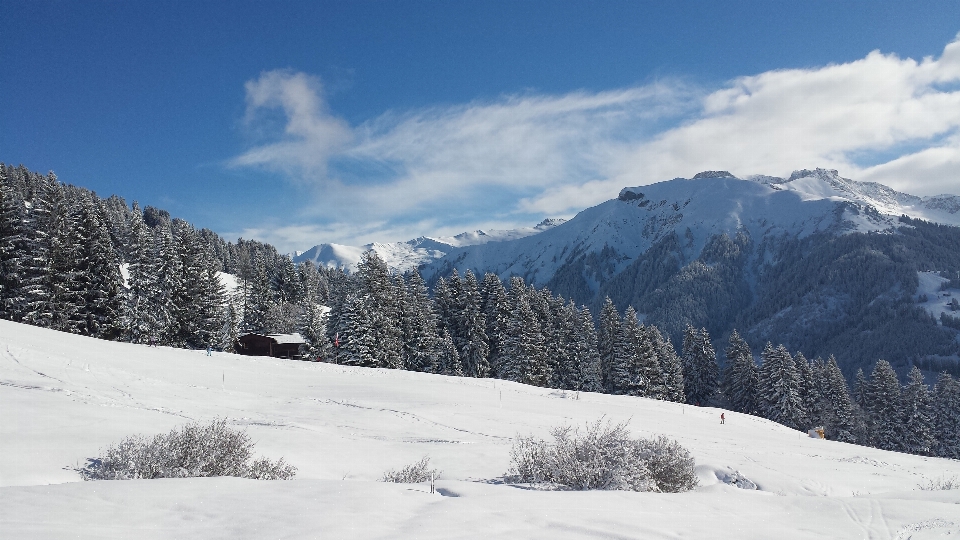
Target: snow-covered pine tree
[447, 295]
[523, 353]
[838, 412]
[568, 373]
[66, 277]
[649, 372]
[199, 299]
[807, 388]
[11, 250]
[230, 324]
[860, 389]
[670, 365]
[778, 388]
[32, 305]
[382, 298]
[540, 301]
[918, 430]
[496, 314]
[740, 376]
[814, 398]
[946, 414]
[139, 319]
[259, 298]
[419, 325]
[313, 284]
[884, 407]
[100, 265]
[586, 355]
[471, 338]
[449, 361]
[355, 332]
[624, 376]
[700, 369]
[607, 336]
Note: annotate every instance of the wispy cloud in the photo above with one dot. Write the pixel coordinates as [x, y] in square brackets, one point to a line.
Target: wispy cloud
[519, 158]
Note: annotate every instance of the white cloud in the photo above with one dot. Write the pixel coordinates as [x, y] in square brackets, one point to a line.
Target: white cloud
[519, 158]
[311, 134]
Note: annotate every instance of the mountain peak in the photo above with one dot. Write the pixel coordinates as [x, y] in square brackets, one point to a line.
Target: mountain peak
[713, 174]
[822, 174]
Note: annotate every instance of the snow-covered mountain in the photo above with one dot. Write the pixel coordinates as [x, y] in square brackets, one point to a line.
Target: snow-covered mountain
[403, 256]
[65, 398]
[790, 260]
[711, 203]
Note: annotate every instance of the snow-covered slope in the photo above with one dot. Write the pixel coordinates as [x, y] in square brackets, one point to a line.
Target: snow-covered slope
[403, 256]
[64, 397]
[696, 209]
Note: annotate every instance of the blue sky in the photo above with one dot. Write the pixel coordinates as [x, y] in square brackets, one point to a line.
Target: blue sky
[306, 122]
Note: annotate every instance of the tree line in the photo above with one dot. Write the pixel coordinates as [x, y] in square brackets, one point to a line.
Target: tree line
[480, 328]
[74, 262]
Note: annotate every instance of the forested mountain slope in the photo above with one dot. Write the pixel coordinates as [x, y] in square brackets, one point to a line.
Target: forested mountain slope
[821, 263]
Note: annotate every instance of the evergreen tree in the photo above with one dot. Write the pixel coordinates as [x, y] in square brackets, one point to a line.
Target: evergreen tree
[496, 313]
[670, 365]
[471, 339]
[946, 416]
[700, 369]
[624, 375]
[740, 376]
[100, 265]
[778, 388]
[648, 366]
[139, 318]
[807, 388]
[419, 326]
[607, 337]
[569, 373]
[918, 429]
[883, 406]
[355, 332]
[838, 412]
[860, 388]
[11, 252]
[449, 358]
[383, 317]
[585, 354]
[523, 354]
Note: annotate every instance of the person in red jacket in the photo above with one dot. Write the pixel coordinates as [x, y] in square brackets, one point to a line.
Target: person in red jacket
[722, 417]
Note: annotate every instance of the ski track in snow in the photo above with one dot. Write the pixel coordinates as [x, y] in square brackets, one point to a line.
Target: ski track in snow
[65, 397]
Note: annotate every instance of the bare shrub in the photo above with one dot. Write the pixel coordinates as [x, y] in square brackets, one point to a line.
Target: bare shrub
[194, 450]
[670, 464]
[941, 483]
[605, 457]
[413, 474]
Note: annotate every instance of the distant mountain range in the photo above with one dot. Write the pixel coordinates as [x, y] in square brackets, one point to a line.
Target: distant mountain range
[821, 263]
[404, 256]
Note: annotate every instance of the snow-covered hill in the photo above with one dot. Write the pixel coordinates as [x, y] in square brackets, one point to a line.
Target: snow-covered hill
[65, 397]
[403, 256]
[711, 203]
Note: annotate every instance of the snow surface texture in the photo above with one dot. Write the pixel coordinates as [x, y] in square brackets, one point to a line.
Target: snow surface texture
[65, 397]
[714, 202]
[404, 256]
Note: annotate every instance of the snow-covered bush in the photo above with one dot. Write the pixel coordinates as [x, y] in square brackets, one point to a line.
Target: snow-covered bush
[413, 474]
[604, 456]
[941, 483]
[194, 450]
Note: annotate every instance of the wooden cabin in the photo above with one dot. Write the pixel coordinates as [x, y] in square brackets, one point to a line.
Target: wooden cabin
[277, 345]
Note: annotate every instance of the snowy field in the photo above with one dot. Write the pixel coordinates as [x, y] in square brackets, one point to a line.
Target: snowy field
[64, 397]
